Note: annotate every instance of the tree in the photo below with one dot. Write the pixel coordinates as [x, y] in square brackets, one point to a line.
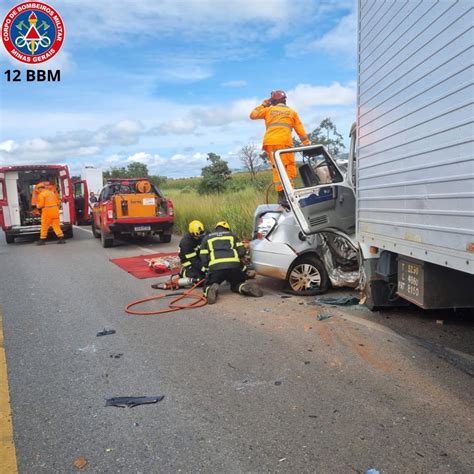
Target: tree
[326, 134]
[133, 170]
[251, 159]
[137, 170]
[214, 176]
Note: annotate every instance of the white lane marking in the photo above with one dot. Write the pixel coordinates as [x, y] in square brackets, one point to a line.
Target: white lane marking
[82, 228]
[146, 250]
[141, 248]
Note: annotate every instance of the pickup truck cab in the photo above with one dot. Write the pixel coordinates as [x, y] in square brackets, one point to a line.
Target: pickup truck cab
[312, 245]
[134, 207]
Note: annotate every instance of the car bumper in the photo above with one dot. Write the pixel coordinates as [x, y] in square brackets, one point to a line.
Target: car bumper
[33, 230]
[271, 259]
[132, 227]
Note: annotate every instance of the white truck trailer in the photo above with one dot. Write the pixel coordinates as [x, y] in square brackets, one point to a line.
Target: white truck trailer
[415, 152]
[411, 161]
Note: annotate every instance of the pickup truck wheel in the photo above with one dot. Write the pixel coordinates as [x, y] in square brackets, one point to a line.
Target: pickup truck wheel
[307, 277]
[106, 240]
[9, 238]
[95, 233]
[165, 238]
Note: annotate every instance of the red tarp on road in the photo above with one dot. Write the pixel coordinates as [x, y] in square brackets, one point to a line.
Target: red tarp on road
[138, 267]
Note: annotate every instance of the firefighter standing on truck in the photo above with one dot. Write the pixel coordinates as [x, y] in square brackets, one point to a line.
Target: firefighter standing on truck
[189, 248]
[221, 254]
[280, 120]
[48, 202]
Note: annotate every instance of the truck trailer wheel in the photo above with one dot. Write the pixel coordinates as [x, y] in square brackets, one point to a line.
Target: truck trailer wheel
[106, 240]
[9, 238]
[307, 277]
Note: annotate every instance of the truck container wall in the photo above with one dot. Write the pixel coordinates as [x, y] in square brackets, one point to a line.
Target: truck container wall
[415, 173]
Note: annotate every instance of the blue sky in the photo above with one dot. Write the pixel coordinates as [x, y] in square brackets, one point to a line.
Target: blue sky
[166, 82]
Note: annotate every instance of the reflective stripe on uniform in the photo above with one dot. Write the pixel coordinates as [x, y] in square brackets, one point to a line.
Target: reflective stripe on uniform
[213, 259]
[191, 255]
[239, 244]
[49, 207]
[279, 124]
[204, 252]
[224, 260]
[186, 264]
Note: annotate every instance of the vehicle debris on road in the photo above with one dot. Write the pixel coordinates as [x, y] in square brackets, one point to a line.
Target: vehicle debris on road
[80, 462]
[323, 316]
[131, 402]
[106, 332]
[336, 301]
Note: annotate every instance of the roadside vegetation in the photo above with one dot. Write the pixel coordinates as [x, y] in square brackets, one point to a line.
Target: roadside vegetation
[220, 194]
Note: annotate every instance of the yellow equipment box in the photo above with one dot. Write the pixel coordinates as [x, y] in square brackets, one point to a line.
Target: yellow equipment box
[135, 205]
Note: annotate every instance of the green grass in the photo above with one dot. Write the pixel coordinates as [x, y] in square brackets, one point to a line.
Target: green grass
[236, 207]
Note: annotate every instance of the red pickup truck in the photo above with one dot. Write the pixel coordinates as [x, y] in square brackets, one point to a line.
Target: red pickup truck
[132, 206]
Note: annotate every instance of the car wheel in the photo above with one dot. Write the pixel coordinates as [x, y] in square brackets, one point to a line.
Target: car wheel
[106, 240]
[307, 277]
[95, 233]
[9, 238]
[69, 234]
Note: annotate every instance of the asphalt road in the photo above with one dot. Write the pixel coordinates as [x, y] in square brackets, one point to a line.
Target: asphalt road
[250, 385]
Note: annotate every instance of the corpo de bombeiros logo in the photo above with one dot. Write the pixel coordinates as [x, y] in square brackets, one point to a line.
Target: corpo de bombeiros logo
[32, 32]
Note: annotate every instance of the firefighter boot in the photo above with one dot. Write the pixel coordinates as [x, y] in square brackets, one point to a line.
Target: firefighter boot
[61, 240]
[212, 292]
[41, 242]
[250, 289]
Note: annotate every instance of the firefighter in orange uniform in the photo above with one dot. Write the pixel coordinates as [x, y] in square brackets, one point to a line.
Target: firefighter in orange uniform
[280, 121]
[49, 204]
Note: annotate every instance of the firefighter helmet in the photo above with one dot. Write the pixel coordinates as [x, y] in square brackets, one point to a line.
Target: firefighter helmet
[196, 228]
[41, 186]
[224, 224]
[278, 97]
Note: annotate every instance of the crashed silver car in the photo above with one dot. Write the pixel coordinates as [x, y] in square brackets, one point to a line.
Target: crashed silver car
[310, 264]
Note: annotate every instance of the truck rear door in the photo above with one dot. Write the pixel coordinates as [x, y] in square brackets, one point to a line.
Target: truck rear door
[67, 201]
[81, 201]
[324, 198]
[4, 212]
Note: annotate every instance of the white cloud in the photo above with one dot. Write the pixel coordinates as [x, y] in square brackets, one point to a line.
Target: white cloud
[8, 146]
[182, 139]
[190, 17]
[220, 115]
[75, 143]
[305, 96]
[181, 126]
[185, 72]
[115, 158]
[341, 40]
[236, 83]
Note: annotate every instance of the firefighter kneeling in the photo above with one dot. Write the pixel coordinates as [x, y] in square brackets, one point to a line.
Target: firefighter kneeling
[189, 248]
[221, 253]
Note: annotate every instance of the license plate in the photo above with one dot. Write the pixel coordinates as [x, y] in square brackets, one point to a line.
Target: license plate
[411, 281]
[141, 228]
